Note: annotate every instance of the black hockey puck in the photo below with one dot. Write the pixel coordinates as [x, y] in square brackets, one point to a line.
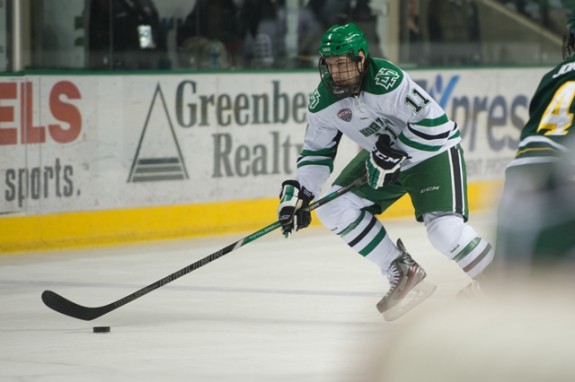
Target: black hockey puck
[101, 329]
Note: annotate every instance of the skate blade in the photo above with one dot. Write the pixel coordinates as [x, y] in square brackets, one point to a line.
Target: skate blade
[415, 297]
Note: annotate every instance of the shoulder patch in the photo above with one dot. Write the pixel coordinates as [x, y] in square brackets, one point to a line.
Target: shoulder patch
[320, 99]
[314, 99]
[387, 78]
[383, 77]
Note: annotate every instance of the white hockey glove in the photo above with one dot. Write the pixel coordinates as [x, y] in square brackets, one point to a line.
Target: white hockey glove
[292, 211]
[383, 163]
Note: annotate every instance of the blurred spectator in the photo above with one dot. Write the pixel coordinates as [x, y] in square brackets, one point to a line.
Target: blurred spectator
[551, 14]
[554, 15]
[414, 36]
[528, 8]
[317, 16]
[125, 34]
[209, 36]
[362, 14]
[309, 32]
[330, 12]
[265, 37]
[453, 32]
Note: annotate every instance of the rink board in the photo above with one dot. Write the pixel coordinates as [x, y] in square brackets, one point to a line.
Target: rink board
[91, 159]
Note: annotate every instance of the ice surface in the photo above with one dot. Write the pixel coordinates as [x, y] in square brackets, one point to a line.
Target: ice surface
[301, 309]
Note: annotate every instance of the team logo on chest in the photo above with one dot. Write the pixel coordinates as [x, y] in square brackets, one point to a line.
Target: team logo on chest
[345, 114]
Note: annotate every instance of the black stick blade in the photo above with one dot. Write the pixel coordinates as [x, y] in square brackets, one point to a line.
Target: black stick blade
[62, 305]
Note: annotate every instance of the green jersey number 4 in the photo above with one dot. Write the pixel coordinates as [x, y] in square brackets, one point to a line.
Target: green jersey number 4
[557, 119]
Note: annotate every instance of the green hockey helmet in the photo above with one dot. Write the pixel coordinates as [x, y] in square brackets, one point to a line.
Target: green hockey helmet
[341, 40]
[345, 78]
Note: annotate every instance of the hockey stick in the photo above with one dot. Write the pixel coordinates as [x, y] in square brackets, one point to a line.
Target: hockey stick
[63, 305]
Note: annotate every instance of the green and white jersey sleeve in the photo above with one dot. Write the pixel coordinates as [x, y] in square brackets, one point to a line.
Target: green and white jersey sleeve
[390, 103]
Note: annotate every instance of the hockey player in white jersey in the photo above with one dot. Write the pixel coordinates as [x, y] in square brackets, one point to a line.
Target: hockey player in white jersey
[409, 146]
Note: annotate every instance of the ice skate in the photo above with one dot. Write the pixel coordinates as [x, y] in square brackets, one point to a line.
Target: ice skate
[407, 286]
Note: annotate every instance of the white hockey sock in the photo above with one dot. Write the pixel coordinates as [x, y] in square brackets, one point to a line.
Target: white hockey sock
[457, 240]
[474, 257]
[368, 237]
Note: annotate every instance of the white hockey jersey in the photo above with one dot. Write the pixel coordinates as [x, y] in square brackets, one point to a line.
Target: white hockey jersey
[389, 103]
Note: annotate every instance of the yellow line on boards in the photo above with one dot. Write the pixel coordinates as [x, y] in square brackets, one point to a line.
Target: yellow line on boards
[109, 227]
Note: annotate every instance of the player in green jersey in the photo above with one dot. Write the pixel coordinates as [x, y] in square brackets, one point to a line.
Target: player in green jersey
[409, 145]
[536, 215]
